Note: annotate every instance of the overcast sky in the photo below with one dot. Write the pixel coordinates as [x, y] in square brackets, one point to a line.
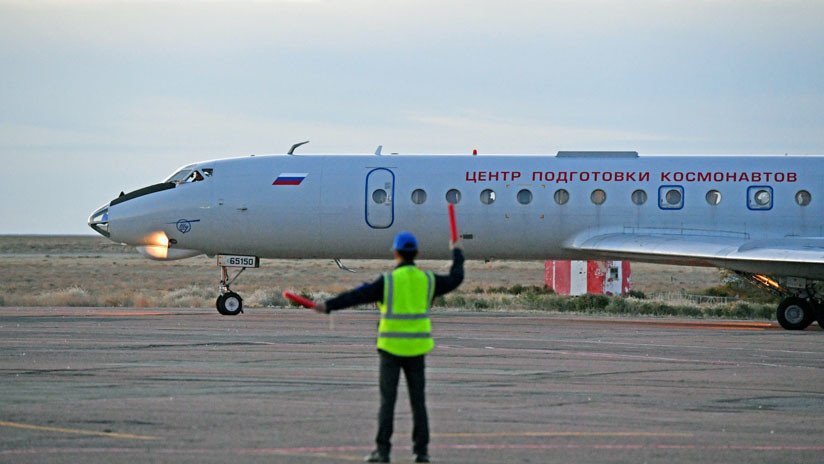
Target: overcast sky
[102, 96]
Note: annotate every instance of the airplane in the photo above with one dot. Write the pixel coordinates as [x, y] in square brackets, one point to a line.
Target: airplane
[760, 216]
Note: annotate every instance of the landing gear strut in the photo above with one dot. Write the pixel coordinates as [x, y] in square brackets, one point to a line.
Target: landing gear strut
[228, 302]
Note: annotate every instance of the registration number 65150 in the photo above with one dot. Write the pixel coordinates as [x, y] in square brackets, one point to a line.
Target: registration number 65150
[238, 261]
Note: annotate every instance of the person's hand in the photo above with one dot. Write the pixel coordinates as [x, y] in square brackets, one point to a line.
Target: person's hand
[456, 245]
[320, 307]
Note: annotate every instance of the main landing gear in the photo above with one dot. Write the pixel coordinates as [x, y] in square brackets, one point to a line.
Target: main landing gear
[801, 302]
[228, 302]
[796, 313]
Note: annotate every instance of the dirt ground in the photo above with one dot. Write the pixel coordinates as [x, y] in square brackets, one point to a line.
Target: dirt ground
[32, 265]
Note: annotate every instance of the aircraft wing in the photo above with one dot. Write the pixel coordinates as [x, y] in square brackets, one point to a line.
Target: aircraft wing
[795, 256]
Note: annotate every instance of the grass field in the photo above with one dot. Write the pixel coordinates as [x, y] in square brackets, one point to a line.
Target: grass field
[92, 271]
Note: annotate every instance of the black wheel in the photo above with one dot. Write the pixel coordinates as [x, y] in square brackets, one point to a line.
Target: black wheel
[819, 313]
[219, 305]
[230, 304]
[795, 313]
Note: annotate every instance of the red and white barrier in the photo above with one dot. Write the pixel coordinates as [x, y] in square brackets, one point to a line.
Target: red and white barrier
[580, 277]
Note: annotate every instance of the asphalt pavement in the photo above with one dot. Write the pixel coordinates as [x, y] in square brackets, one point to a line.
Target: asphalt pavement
[272, 385]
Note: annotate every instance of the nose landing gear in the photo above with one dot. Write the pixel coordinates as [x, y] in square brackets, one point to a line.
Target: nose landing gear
[228, 302]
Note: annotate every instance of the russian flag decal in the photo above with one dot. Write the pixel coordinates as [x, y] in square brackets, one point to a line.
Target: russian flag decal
[290, 178]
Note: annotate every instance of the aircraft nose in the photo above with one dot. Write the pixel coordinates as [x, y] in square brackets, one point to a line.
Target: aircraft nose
[99, 220]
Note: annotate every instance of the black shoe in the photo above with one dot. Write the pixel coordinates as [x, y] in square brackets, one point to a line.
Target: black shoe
[421, 458]
[377, 456]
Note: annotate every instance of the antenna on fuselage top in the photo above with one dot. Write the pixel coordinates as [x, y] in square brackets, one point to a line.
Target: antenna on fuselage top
[292, 150]
[378, 150]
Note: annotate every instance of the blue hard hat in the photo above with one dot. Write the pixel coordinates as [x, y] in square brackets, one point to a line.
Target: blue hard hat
[405, 241]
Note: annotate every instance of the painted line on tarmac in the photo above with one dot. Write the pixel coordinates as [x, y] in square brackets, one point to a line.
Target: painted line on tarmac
[93, 433]
[717, 325]
[331, 450]
[528, 446]
[610, 355]
[562, 434]
[130, 313]
[335, 452]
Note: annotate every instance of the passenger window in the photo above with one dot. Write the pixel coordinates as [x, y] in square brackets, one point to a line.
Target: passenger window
[713, 197]
[379, 196]
[598, 196]
[453, 196]
[759, 198]
[487, 197]
[803, 198]
[524, 197]
[639, 197]
[561, 196]
[418, 196]
[671, 197]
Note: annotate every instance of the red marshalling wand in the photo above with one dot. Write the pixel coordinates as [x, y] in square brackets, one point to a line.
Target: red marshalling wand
[453, 226]
[305, 302]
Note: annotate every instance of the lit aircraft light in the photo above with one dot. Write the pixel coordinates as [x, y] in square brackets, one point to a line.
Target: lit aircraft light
[158, 239]
[157, 246]
[155, 252]
[767, 281]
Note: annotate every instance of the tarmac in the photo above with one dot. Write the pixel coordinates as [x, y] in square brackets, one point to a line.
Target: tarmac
[103, 385]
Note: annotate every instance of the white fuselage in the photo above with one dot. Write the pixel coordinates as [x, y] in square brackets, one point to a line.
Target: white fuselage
[335, 212]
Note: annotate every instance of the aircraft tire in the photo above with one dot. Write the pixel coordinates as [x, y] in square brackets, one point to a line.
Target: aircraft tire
[795, 313]
[230, 304]
[819, 313]
[219, 305]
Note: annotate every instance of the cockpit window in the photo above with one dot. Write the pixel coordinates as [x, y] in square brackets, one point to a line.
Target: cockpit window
[179, 176]
[188, 175]
[195, 176]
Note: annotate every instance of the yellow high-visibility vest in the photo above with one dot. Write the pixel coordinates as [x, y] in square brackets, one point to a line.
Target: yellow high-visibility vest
[405, 328]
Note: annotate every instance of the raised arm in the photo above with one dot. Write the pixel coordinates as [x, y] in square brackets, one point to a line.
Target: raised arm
[446, 283]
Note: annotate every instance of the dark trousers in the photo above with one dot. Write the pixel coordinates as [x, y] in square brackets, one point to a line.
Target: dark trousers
[390, 371]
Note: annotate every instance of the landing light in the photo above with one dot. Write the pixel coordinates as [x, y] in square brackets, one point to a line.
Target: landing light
[767, 281]
[157, 245]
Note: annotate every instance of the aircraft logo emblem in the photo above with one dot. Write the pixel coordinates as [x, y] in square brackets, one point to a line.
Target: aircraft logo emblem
[184, 225]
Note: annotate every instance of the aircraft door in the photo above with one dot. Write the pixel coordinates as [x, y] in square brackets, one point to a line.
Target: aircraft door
[380, 198]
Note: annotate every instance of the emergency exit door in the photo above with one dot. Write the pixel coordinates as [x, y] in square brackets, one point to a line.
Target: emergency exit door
[380, 198]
